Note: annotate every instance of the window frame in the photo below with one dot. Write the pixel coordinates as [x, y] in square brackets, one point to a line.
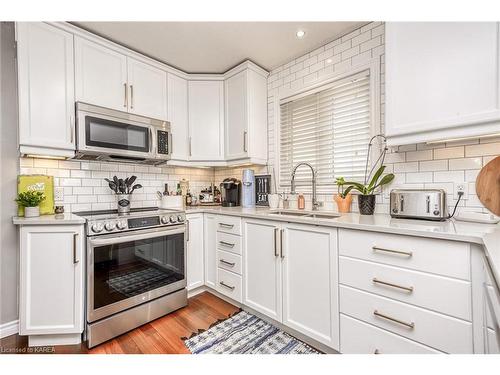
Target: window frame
[375, 112]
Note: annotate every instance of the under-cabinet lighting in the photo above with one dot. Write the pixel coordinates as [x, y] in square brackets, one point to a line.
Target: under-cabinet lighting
[463, 138]
[45, 157]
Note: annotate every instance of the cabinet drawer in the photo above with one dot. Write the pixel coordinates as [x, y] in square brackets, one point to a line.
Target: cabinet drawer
[229, 224]
[440, 257]
[357, 337]
[439, 331]
[229, 261]
[229, 284]
[438, 293]
[229, 242]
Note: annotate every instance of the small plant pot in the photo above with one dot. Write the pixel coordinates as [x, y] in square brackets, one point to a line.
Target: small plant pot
[123, 201]
[32, 211]
[343, 204]
[366, 204]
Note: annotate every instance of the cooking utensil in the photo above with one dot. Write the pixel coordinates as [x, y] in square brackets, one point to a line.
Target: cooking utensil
[160, 195]
[488, 186]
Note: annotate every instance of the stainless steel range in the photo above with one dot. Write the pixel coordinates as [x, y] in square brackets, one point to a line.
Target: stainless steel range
[136, 269]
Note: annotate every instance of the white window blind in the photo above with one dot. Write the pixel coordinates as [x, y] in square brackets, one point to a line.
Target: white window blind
[328, 128]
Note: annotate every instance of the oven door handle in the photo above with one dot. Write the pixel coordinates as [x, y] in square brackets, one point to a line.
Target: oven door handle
[133, 237]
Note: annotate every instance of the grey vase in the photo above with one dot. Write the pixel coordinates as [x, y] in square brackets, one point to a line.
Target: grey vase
[366, 204]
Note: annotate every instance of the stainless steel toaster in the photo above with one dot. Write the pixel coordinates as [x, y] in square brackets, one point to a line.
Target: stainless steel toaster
[429, 204]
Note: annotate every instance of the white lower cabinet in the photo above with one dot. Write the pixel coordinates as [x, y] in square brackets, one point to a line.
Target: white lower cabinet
[291, 276]
[195, 266]
[210, 225]
[51, 282]
[357, 337]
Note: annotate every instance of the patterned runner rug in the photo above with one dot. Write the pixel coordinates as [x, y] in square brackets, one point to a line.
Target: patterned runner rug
[245, 333]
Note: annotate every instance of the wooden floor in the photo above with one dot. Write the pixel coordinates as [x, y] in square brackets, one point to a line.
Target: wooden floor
[162, 336]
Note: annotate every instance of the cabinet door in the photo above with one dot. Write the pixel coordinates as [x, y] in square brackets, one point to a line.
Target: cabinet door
[178, 116]
[51, 279]
[195, 251]
[46, 86]
[236, 124]
[310, 282]
[148, 90]
[210, 250]
[440, 75]
[206, 120]
[262, 267]
[100, 75]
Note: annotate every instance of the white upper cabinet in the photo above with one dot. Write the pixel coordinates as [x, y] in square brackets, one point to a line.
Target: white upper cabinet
[178, 116]
[100, 75]
[442, 80]
[148, 90]
[111, 79]
[246, 115]
[46, 89]
[206, 120]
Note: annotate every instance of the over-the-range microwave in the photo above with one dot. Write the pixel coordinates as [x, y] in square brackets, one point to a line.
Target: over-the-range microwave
[109, 135]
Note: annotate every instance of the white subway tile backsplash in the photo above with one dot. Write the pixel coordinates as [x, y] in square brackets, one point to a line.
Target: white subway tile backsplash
[483, 149]
[419, 155]
[433, 165]
[406, 167]
[449, 153]
[466, 163]
[419, 177]
[449, 176]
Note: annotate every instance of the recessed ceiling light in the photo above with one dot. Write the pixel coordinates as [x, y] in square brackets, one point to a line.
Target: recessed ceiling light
[300, 34]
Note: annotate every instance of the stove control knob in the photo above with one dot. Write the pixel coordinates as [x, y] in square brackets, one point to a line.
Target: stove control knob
[180, 218]
[436, 212]
[164, 220]
[173, 219]
[121, 225]
[97, 227]
[110, 226]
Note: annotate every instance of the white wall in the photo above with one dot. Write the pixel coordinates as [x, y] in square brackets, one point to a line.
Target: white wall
[8, 175]
[415, 166]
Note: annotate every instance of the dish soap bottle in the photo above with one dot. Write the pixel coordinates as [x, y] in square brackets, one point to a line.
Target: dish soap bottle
[301, 202]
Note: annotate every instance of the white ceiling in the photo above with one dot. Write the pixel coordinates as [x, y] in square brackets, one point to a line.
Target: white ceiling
[215, 47]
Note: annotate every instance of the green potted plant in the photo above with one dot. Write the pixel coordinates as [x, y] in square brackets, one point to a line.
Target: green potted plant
[366, 200]
[343, 198]
[30, 200]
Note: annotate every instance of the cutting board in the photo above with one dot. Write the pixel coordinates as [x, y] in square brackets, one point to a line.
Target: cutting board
[488, 186]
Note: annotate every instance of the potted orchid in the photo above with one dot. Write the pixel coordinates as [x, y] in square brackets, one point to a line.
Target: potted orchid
[343, 198]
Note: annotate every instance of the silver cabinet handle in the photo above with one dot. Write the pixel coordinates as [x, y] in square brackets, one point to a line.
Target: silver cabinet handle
[187, 230]
[281, 244]
[230, 264]
[245, 141]
[225, 285]
[276, 242]
[387, 317]
[75, 257]
[131, 96]
[395, 252]
[190, 153]
[226, 243]
[150, 140]
[405, 288]
[171, 144]
[125, 100]
[226, 225]
[71, 129]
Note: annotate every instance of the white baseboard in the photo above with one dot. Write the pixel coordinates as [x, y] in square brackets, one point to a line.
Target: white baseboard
[9, 328]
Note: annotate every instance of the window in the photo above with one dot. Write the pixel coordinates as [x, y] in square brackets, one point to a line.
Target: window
[328, 127]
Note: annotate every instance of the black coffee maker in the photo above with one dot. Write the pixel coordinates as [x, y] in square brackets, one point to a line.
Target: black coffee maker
[231, 192]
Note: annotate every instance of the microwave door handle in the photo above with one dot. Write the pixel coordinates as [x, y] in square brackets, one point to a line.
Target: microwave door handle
[150, 140]
[133, 237]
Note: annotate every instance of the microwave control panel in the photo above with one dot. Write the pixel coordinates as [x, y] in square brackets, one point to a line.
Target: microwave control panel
[162, 137]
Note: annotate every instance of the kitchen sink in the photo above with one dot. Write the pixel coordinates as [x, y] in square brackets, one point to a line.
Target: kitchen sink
[313, 215]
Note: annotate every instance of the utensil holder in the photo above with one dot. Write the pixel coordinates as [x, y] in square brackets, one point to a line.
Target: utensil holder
[123, 205]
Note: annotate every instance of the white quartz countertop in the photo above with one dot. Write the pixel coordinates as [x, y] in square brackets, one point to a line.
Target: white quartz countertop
[60, 219]
[487, 235]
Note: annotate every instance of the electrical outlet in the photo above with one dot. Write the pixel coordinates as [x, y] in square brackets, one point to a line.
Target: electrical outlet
[462, 187]
[59, 194]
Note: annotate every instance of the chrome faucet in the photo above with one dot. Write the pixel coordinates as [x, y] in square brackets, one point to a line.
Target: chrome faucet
[315, 203]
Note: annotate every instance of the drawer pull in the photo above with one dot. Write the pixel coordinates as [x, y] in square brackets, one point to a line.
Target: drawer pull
[230, 264]
[226, 243]
[383, 316]
[408, 289]
[226, 225]
[227, 286]
[390, 251]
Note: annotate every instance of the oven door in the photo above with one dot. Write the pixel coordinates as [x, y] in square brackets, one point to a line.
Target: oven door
[125, 270]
